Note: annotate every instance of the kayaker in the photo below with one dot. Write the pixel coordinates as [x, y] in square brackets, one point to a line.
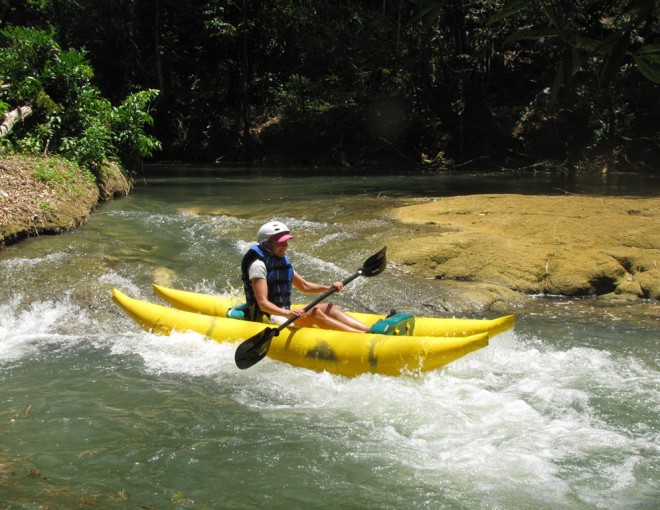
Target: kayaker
[268, 278]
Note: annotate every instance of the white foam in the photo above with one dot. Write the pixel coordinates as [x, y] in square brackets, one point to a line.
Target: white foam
[516, 412]
[180, 353]
[121, 282]
[24, 331]
[33, 262]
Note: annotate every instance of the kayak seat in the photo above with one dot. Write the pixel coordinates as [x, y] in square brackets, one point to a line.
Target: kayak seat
[399, 324]
[238, 311]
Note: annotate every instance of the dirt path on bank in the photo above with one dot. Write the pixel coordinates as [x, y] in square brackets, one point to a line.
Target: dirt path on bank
[565, 245]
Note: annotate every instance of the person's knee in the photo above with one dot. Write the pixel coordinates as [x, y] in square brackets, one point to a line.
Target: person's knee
[330, 309]
[318, 313]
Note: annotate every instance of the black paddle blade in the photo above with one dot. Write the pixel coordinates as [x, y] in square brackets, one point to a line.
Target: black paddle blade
[375, 264]
[253, 350]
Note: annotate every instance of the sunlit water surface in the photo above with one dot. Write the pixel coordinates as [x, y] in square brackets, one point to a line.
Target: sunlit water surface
[562, 412]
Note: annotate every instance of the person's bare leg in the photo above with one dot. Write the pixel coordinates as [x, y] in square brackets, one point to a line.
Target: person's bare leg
[318, 316]
[337, 314]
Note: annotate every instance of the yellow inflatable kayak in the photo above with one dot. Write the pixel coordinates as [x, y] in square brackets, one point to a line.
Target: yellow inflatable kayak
[435, 342]
[424, 326]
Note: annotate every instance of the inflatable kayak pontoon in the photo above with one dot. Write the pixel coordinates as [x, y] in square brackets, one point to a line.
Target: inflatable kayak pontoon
[434, 342]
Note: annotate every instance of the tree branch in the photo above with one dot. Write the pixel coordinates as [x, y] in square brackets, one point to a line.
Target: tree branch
[12, 117]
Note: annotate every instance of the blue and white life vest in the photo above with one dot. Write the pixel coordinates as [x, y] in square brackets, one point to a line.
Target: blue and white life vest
[279, 278]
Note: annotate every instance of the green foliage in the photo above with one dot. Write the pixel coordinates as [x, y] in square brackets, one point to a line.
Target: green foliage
[618, 36]
[602, 49]
[470, 80]
[647, 59]
[3, 106]
[127, 122]
[71, 117]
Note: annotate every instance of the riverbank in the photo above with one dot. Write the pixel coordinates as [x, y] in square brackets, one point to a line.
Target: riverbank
[40, 196]
[490, 251]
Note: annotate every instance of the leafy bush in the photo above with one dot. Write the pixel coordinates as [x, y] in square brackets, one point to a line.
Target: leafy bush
[70, 116]
[127, 121]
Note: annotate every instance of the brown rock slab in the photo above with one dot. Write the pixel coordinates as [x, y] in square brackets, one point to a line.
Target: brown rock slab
[565, 245]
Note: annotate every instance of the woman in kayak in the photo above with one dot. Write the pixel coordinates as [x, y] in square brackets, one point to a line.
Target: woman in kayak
[268, 279]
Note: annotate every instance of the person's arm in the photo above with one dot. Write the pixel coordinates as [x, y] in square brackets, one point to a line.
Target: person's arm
[313, 288]
[257, 274]
[260, 287]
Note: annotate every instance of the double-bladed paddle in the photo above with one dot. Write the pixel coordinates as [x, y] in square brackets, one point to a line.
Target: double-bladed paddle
[254, 349]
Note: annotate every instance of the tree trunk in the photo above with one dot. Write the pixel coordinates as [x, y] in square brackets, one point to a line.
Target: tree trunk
[157, 56]
[12, 117]
[245, 71]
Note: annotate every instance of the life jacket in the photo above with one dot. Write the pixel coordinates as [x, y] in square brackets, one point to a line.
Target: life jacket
[279, 278]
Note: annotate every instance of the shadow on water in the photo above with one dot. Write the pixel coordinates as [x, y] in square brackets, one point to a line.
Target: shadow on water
[420, 183]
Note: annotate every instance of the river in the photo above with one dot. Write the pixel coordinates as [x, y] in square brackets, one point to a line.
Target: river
[563, 412]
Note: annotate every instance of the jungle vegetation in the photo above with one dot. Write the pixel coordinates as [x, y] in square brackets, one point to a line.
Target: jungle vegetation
[435, 83]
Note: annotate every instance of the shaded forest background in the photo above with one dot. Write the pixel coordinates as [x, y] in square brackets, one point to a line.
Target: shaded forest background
[570, 84]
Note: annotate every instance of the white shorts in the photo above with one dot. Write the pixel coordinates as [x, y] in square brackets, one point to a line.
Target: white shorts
[278, 319]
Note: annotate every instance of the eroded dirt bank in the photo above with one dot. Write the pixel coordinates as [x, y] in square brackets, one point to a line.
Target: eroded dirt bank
[50, 195]
[563, 245]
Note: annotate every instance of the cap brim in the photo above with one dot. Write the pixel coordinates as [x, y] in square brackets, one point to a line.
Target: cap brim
[280, 238]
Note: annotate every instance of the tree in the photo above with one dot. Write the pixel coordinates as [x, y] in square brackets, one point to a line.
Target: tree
[509, 81]
[602, 46]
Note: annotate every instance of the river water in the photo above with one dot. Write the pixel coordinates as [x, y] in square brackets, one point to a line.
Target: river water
[563, 412]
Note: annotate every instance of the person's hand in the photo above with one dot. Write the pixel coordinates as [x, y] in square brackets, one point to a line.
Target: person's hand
[299, 312]
[339, 286]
